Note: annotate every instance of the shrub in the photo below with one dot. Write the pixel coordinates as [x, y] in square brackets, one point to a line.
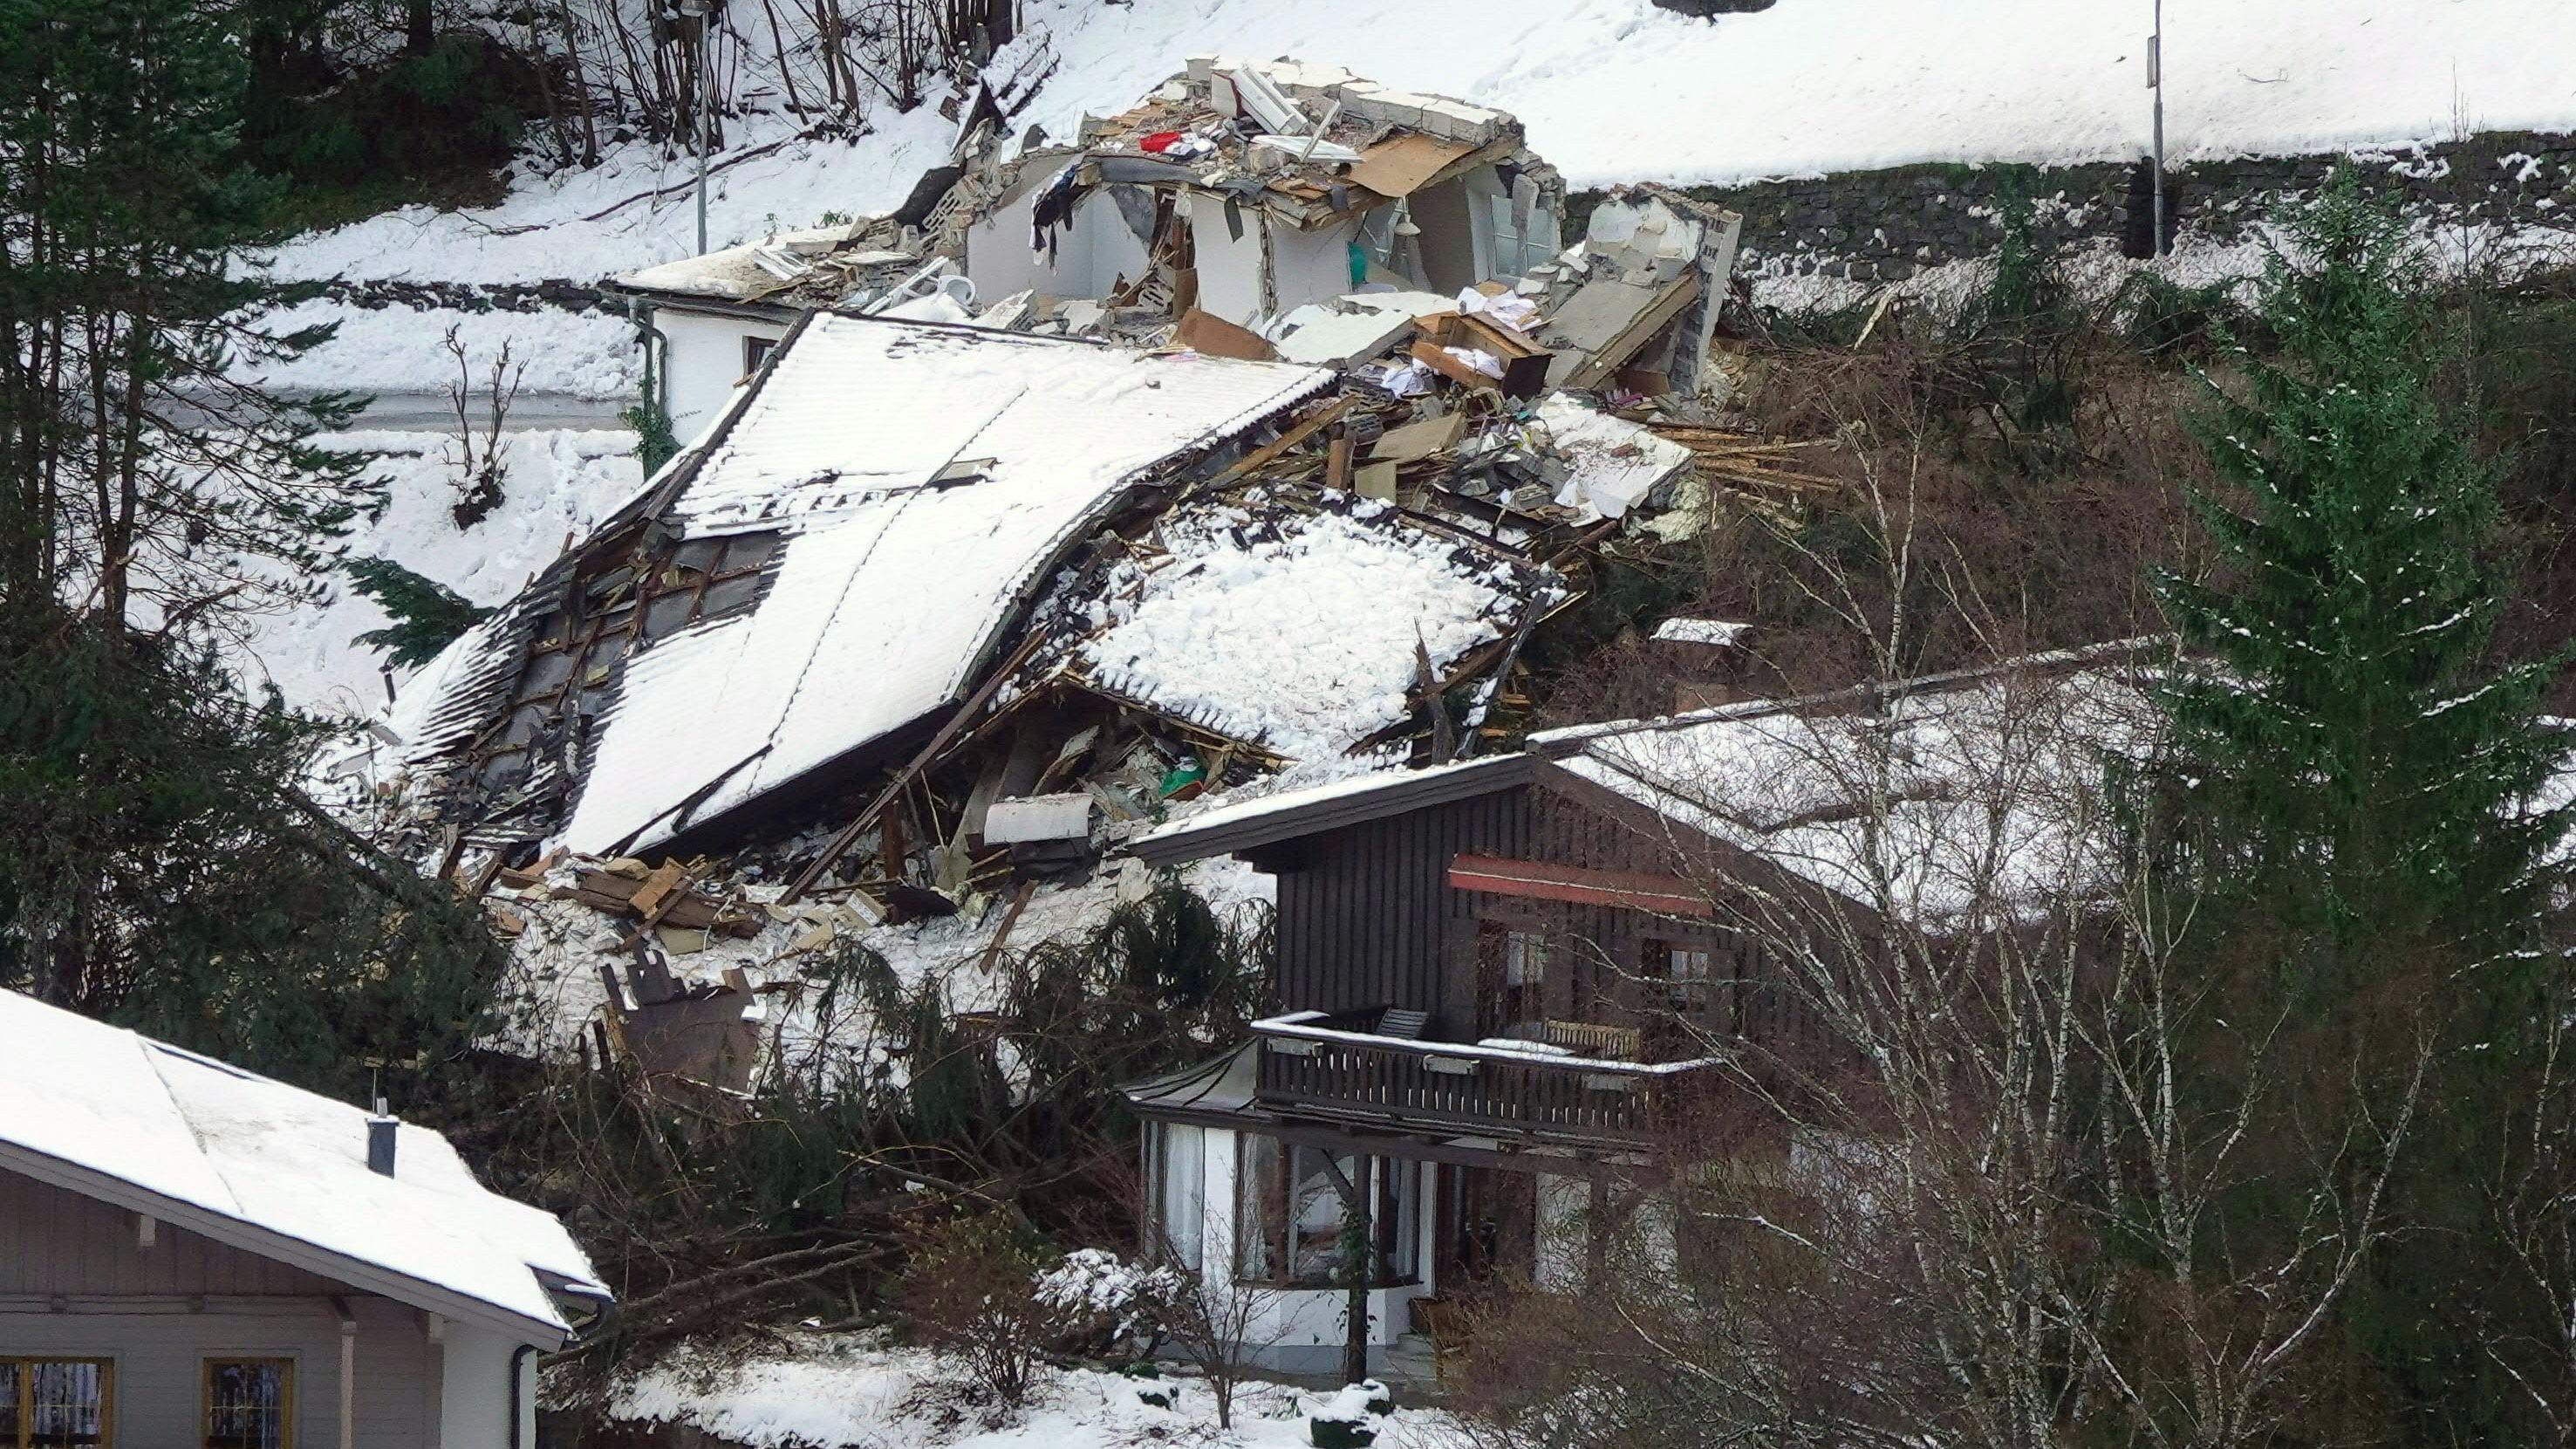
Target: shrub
[972, 1292]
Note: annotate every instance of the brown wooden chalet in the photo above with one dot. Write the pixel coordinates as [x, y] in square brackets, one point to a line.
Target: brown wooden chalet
[1506, 986]
[1500, 983]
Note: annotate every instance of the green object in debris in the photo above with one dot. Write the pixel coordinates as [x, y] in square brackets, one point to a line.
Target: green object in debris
[1181, 777]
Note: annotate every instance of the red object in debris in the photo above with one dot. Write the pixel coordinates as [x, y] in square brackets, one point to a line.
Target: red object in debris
[1159, 141]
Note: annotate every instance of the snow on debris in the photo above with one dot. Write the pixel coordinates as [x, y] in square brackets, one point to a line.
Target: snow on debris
[827, 1393]
[1609, 91]
[1698, 631]
[892, 588]
[1299, 631]
[273, 1158]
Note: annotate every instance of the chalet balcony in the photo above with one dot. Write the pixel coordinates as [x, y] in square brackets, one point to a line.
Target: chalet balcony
[1349, 1067]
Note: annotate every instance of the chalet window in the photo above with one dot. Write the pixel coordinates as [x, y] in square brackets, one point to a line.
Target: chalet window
[1289, 1213]
[755, 351]
[1177, 1172]
[1689, 975]
[1517, 961]
[55, 1402]
[250, 1403]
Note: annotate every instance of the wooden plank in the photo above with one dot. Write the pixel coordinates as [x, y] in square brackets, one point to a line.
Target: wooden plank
[1542, 880]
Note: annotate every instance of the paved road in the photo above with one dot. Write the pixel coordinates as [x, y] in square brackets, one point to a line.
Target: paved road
[432, 413]
[425, 412]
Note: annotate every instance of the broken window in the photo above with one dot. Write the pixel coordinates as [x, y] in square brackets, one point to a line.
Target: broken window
[755, 351]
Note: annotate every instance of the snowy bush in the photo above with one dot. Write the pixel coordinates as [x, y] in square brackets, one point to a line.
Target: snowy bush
[1104, 1303]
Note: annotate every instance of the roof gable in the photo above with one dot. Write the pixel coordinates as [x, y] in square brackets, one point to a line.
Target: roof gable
[270, 1169]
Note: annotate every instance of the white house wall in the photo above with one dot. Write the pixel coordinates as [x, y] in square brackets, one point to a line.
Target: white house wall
[1309, 266]
[1091, 255]
[475, 1406]
[1301, 1328]
[702, 361]
[1229, 267]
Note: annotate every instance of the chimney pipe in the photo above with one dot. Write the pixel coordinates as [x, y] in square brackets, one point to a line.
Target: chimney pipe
[380, 1140]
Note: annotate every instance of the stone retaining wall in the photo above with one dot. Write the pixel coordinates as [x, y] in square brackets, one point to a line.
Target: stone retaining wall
[1885, 225]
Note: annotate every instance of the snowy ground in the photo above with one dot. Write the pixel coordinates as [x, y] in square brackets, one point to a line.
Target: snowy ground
[560, 483]
[403, 350]
[1613, 90]
[829, 1393]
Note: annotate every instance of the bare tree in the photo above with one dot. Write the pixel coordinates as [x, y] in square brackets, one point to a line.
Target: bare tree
[1988, 1212]
[481, 467]
[1211, 1320]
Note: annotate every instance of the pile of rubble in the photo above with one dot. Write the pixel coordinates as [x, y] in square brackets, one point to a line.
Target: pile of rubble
[1278, 425]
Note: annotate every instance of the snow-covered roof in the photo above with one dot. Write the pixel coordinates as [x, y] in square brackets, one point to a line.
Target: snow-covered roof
[926, 478]
[1970, 799]
[271, 1169]
[1248, 823]
[1986, 782]
[1302, 632]
[839, 259]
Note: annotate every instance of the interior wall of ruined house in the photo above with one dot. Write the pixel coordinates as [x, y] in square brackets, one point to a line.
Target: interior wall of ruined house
[1309, 266]
[1229, 259]
[1100, 247]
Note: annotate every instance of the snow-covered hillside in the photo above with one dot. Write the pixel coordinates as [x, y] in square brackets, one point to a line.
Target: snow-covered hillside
[561, 482]
[1614, 90]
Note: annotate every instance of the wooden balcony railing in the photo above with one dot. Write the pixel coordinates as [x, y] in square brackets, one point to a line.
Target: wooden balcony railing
[1310, 1065]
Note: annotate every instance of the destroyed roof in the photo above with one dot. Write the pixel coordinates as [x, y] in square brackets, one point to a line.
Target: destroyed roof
[273, 1170]
[903, 488]
[1312, 142]
[819, 267]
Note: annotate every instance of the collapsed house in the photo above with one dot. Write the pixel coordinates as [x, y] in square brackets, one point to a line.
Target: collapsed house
[1247, 209]
[1259, 430]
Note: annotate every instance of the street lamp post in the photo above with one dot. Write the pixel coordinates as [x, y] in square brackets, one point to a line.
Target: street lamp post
[2155, 83]
[702, 11]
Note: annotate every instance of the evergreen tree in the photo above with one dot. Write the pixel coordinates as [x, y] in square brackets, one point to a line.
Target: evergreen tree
[428, 615]
[136, 475]
[2363, 792]
[160, 863]
[160, 868]
[2366, 769]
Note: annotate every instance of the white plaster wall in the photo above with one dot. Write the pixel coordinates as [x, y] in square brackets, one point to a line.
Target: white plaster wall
[702, 363]
[1310, 266]
[1563, 1236]
[474, 1402]
[1229, 268]
[1090, 255]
